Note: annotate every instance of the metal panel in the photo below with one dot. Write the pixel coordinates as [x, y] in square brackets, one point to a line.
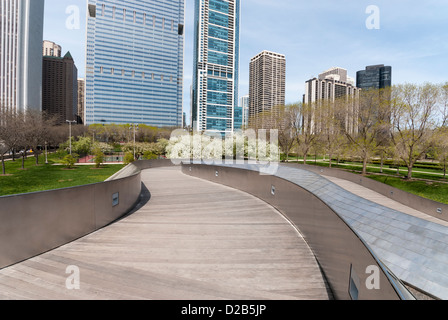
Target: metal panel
[338, 249]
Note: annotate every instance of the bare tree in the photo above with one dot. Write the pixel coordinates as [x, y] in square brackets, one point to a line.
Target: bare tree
[308, 133]
[369, 124]
[413, 118]
[444, 103]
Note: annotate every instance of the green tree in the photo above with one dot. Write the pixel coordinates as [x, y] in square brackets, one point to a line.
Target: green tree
[99, 157]
[70, 160]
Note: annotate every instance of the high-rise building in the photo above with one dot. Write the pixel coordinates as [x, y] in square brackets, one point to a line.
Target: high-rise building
[377, 77]
[266, 82]
[216, 65]
[21, 36]
[51, 49]
[134, 62]
[245, 106]
[60, 88]
[327, 87]
[81, 101]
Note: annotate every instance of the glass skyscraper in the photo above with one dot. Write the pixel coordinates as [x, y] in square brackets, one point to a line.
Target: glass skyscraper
[377, 77]
[216, 63]
[21, 36]
[134, 62]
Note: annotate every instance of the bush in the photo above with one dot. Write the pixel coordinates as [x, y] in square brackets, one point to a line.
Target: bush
[148, 155]
[99, 157]
[128, 158]
[69, 160]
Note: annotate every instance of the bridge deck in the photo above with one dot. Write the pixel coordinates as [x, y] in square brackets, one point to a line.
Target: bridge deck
[192, 240]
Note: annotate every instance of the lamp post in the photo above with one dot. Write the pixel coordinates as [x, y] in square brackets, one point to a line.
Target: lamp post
[70, 131]
[135, 127]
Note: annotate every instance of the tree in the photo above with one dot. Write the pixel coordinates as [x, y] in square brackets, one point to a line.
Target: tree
[369, 122]
[413, 121]
[10, 135]
[307, 136]
[441, 148]
[99, 157]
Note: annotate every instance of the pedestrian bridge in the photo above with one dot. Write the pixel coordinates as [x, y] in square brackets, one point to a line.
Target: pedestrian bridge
[204, 232]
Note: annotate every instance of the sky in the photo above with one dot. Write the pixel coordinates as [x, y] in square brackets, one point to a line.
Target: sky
[411, 36]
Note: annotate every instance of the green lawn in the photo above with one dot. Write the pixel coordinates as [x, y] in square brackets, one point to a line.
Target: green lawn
[431, 190]
[49, 176]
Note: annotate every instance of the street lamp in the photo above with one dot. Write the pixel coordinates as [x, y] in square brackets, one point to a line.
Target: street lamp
[135, 127]
[70, 130]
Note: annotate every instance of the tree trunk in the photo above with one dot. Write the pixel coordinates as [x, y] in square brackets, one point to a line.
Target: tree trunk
[3, 165]
[36, 156]
[409, 176]
[382, 162]
[23, 161]
[364, 166]
[304, 158]
[330, 158]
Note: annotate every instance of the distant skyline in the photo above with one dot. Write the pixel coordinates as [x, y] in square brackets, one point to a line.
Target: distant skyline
[314, 36]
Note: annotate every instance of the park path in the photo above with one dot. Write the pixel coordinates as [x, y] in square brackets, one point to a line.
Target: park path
[189, 239]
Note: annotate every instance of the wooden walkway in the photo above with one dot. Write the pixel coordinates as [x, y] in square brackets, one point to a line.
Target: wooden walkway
[192, 240]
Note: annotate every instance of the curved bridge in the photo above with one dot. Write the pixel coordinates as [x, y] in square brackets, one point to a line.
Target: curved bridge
[288, 235]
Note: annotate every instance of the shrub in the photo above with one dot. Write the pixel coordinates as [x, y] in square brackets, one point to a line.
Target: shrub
[128, 158]
[99, 157]
[69, 160]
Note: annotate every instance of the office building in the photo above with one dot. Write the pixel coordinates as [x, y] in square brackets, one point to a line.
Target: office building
[51, 49]
[266, 82]
[81, 101]
[134, 62]
[377, 77]
[21, 37]
[245, 106]
[216, 65]
[60, 88]
[327, 87]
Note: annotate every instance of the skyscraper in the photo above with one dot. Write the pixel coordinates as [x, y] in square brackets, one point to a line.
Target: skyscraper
[216, 65]
[51, 49]
[377, 77]
[21, 36]
[330, 85]
[267, 82]
[134, 62]
[60, 88]
[245, 106]
[81, 101]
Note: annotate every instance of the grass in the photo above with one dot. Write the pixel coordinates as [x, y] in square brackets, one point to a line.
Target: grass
[49, 176]
[431, 190]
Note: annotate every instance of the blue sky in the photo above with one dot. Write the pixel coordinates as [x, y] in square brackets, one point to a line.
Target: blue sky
[314, 35]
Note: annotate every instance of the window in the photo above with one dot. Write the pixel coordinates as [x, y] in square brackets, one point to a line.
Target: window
[92, 10]
[180, 29]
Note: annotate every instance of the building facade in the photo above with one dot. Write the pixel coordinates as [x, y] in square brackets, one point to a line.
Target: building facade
[134, 62]
[81, 101]
[376, 77]
[245, 106]
[21, 36]
[60, 88]
[266, 82]
[216, 66]
[52, 49]
[329, 86]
